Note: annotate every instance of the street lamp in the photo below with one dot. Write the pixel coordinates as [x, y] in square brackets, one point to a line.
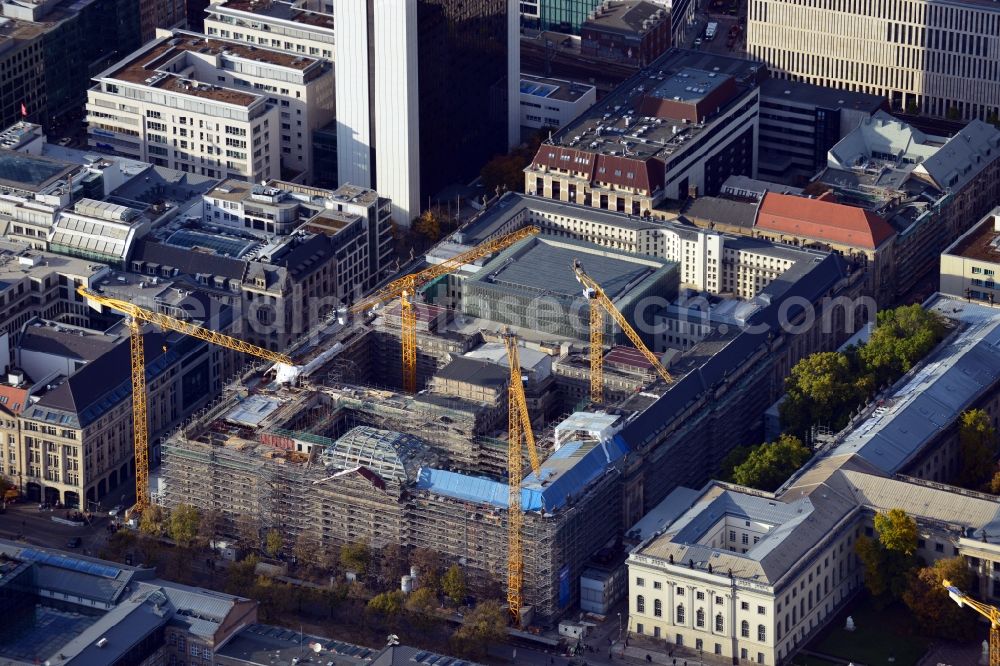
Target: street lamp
[619, 627]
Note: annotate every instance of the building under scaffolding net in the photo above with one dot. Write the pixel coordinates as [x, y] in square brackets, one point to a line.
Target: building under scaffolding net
[333, 466]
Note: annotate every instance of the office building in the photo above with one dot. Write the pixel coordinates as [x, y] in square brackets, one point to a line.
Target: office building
[155, 14]
[677, 129]
[431, 94]
[67, 609]
[50, 49]
[634, 32]
[547, 102]
[969, 266]
[800, 122]
[212, 107]
[935, 57]
[303, 27]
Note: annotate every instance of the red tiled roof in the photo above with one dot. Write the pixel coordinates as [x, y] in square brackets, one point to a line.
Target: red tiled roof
[822, 220]
[12, 398]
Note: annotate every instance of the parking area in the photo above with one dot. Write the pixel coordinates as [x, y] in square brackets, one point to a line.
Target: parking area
[730, 35]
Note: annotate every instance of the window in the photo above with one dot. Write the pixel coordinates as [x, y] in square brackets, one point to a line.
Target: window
[657, 585]
[699, 617]
[638, 628]
[744, 605]
[657, 608]
[700, 595]
[939, 547]
[640, 582]
[718, 622]
[761, 633]
[680, 613]
[640, 604]
[745, 629]
[760, 657]
[761, 610]
[718, 600]
[656, 632]
[745, 539]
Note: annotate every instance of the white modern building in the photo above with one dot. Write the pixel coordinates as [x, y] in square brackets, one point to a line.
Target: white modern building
[213, 107]
[941, 57]
[547, 102]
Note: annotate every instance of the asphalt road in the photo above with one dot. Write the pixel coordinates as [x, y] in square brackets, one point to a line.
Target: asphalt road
[36, 527]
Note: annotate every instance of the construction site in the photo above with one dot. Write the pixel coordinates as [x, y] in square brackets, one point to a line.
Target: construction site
[402, 422]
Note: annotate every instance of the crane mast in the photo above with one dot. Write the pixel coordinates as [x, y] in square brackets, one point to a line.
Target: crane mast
[595, 294]
[406, 287]
[519, 426]
[991, 613]
[140, 419]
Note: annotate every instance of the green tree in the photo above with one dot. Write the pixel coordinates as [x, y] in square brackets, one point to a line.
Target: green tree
[936, 614]
[734, 458]
[154, 521]
[183, 526]
[901, 337]
[889, 560]
[978, 448]
[422, 601]
[387, 603]
[484, 624]
[769, 465]
[453, 583]
[355, 557]
[241, 576]
[273, 543]
[823, 388]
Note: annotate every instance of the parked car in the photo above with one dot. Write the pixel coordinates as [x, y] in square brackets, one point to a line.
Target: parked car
[75, 542]
[115, 511]
[65, 141]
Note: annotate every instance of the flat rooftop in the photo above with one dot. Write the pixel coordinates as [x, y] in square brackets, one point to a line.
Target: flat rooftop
[549, 88]
[797, 92]
[297, 11]
[627, 16]
[546, 268]
[982, 242]
[150, 67]
[680, 76]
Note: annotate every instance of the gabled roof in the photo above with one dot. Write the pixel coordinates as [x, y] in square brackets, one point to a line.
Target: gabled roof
[822, 220]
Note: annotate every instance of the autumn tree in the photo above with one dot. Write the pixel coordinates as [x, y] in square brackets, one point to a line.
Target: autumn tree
[484, 624]
[453, 583]
[183, 524]
[889, 559]
[978, 448]
[208, 525]
[154, 521]
[391, 561]
[429, 225]
[307, 551]
[5, 485]
[355, 557]
[928, 600]
[387, 603]
[767, 466]
[240, 576]
[273, 543]
[248, 532]
[422, 601]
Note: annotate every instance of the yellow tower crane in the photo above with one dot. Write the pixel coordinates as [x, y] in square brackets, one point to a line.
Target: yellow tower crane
[519, 426]
[136, 316]
[405, 289]
[592, 290]
[991, 613]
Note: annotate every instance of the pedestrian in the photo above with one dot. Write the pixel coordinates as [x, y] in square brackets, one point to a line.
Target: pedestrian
[649, 658]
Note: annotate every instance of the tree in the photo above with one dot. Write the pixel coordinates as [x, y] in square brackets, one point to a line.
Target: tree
[387, 603]
[428, 564]
[453, 583]
[240, 577]
[769, 465]
[928, 600]
[889, 560]
[901, 337]
[822, 388]
[995, 482]
[422, 601]
[391, 562]
[153, 521]
[978, 448]
[208, 525]
[273, 543]
[484, 624]
[355, 557]
[505, 172]
[248, 532]
[184, 521]
[5, 485]
[307, 551]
